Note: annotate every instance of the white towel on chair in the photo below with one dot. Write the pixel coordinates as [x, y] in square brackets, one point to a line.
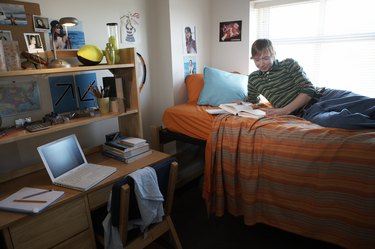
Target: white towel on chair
[149, 198]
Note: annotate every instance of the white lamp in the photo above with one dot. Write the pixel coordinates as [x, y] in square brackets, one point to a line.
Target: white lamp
[65, 22]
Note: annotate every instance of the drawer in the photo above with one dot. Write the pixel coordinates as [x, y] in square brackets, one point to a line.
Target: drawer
[99, 197]
[51, 227]
[80, 241]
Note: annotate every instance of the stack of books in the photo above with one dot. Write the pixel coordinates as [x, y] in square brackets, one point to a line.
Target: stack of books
[127, 149]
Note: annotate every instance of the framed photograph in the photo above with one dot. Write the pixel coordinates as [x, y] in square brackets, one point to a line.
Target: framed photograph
[40, 23]
[5, 35]
[230, 31]
[33, 42]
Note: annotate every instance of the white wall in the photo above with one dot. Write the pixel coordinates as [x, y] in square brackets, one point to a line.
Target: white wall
[230, 56]
[160, 83]
[197, 13]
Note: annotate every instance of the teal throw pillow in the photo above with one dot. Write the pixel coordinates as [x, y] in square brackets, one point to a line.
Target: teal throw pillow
[222, 87]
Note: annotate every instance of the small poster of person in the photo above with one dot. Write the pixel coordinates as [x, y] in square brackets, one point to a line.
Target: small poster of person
[33, 42]
[41, 24]
[230, 31]
[190, 65]
[189, 41]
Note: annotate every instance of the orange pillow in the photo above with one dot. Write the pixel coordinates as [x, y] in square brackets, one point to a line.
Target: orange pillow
[194, 85]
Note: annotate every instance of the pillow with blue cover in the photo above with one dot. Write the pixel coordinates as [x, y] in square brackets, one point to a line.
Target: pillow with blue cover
[221, 87]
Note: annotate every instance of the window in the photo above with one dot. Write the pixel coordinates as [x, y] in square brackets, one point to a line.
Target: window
[333, 40]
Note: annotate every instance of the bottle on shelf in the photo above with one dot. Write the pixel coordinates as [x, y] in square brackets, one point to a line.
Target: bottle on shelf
[113, 34]
[113, 38]
[110, 54]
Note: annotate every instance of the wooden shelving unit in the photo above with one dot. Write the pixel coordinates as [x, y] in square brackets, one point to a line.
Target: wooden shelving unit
[74, 69]
[129, 122]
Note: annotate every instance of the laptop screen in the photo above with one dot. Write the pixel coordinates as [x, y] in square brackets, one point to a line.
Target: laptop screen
[62, 155]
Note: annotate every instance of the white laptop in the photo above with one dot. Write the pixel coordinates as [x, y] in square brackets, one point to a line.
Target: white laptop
[67, 165]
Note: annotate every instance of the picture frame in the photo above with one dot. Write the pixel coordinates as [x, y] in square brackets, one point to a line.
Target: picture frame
[5, 35]
[33, 43]
[40, 23]
[230, 31]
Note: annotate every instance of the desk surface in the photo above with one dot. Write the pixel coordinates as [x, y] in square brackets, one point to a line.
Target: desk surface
[40, 179]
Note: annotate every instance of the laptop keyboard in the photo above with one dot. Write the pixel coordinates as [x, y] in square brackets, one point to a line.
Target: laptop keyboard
[87, 175]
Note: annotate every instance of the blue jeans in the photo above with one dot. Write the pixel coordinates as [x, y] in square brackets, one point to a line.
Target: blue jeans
[342, 109]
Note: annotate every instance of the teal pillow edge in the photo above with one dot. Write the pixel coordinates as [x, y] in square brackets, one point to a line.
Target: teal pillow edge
[222, 87]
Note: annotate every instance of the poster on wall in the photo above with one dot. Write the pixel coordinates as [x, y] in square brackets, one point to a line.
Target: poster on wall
[190, 65]
[41, 24]
[230, 31]
[127, 28]
[74, 38]
[12, 14]
[18, 97]
[189, 39]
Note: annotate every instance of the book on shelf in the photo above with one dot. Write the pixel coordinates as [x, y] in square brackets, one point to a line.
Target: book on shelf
[121, 146]
[115, 91]
[114, 84]
[123, 150]
[243, 109]
[128, 159]
[30, 200]
[132, 141]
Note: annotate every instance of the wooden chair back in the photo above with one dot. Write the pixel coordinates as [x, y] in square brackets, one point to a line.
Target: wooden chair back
[166, 172]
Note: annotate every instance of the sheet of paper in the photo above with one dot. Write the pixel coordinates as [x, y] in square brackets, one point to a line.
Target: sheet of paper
[216, 111]
[20, 202]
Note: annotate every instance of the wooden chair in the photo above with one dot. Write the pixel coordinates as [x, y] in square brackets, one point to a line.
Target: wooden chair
[128, 209]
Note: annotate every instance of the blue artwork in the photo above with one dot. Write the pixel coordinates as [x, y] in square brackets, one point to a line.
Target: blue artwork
[77, 36]
[190, 65]
[83, 83]
[71, 93]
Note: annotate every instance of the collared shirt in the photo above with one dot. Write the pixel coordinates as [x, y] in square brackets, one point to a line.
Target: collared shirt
[281, 84]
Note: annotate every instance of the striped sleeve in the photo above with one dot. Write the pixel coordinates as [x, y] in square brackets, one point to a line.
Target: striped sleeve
[281, 85]
[300, 78]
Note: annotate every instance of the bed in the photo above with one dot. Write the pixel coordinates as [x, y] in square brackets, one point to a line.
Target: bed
[285, 172]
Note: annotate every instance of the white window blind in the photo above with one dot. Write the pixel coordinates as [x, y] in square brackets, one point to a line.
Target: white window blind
[333, 40]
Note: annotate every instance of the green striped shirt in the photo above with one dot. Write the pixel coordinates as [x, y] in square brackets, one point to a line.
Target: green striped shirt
[281, 84]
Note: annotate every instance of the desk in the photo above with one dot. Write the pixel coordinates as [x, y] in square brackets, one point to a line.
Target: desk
[67, 222]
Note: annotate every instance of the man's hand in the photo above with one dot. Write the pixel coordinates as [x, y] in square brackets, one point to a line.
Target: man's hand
[301, 100]
[274, 111]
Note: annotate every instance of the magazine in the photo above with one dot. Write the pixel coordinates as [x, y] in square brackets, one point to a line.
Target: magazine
[244, 109]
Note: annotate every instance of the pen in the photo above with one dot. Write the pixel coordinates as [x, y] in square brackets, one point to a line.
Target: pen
[31, 201]
[39, 193]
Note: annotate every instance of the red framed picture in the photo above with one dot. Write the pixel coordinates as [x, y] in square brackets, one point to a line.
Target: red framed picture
[230, 31]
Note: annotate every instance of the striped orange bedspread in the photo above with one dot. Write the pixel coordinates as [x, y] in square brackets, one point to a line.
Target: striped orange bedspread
[289, 173]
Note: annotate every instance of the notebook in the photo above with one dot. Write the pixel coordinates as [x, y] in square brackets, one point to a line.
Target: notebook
[67, 165]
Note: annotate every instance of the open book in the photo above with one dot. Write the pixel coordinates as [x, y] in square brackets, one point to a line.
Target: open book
[244, 110]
